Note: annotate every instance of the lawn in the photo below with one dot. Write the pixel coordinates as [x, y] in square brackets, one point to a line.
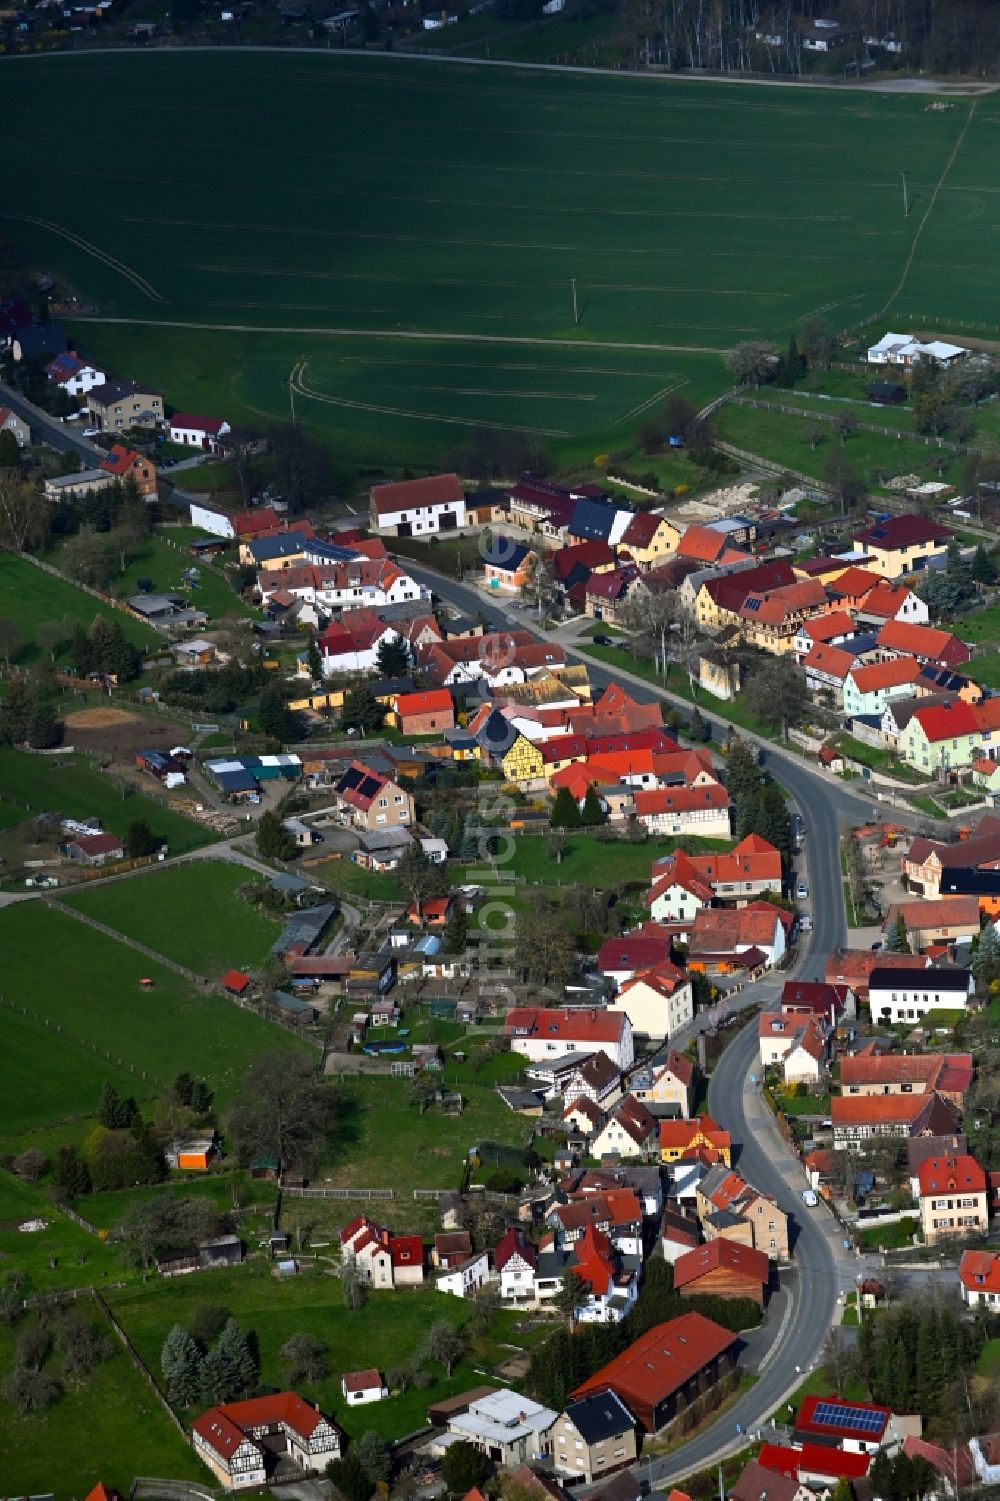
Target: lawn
[785, 440]
[985, 670]
[891, 1236]
[588, 860]
[70, 785]
[108, 1427]
[29, 595]
[982, 624]
[191, 913]
[88, 985]
[734, 710]
[385, 1142]
[60, 1256]
[712, 225]
[343, 875]
[988, 1363]
[387, 1333]
[162, 564]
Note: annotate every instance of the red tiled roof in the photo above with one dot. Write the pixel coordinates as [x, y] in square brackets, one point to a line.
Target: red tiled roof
[885, 600]
[830, 660]
[729, 1255]
[902, 531]
[679, 799]
[979, 1271]
[890, 674]
[923, 641]
[567, 1026]
[513, 1243]
[947, 721]
[662, 1361]
[362, 1381]
[406, 1250]
[642, 529]
[119, 460]
[212, 425]
[223, 1427]
[885, 1109]
[256, 523]
[435, 489]
[825, 627]
[937, 912]
[701, 543]
[235, 981]
[814, 1459]
[855, 582]
[98, 844]
[681, 1134]
[961, 1174]
[431, 701]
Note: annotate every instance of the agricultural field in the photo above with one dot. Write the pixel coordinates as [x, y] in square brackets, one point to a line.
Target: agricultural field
[70, 785]
[73, 977]
[29, 596]
[418, 287]
[191, 913]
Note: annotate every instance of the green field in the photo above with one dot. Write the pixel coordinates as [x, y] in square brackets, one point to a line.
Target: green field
[154, 559]
[107, 1427]
[387, 1332]
[191, 913]
[690, 215]
[385, 1142]
[70, 786]
[29, 596]
[585, 859]
[985, 670]
[88, 984]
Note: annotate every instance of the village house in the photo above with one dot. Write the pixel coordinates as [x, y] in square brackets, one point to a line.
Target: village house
[731, 1209]
[117, 405]
[593, 1437]
[721, 936]
[679, 1232]
[927, 859]
[507, 565]
[124, 463]
[796, 1044]
[954, 1197]
[463, 1279]
[723, 1268]
[649, 539]
[239, 1441]
[869, 687]
[594, 1078]
[539, 1033]
[943, 919]
[664, 1371]
[384, 1260]
[428, 712]
[506, 1426]
[680, 1138]
[191, 430]
[899, 545]
[418, 507]
[516, 1261]
[750, 869]
[368, 800]
[95, 849]
[887, 602]
[659, 1002]
[926, 643]
[666, 1081]
[361, 1387]
[11, 422]
[74, 375]
[857, 1120]
[907, 350]
[866, 1073]
[699, 811]
[630, 1131]
[979, 1278]
[896, 996]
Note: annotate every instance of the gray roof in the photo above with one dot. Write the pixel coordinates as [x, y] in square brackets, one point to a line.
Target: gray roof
[496, 734]
[599, 1416]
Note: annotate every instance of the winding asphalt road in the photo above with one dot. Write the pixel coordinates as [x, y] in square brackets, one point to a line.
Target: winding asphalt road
[802, 1310]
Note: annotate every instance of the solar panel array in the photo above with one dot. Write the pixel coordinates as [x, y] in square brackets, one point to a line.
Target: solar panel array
[837, 1415]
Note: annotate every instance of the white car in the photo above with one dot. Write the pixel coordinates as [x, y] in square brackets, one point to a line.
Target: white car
[809, 1198]
[91, 432]
[801, 891]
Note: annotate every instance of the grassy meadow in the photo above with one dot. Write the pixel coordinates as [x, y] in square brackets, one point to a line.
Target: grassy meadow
[29, 596]
[191, 913]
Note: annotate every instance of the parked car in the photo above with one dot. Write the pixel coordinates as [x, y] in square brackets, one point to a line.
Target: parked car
[809, 1198]
[603, 641]
[91, 432]
[801, 891]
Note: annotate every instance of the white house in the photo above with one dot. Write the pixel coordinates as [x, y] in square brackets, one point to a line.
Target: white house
[509, 1427]
[418, 507]
[539, 1033]
[360, 1387]
[516, 1262]
[905, 995]
[906, 350]
[465, 1279]
[74, 375]
[191, 430]
[629, 1131]
[870, 687]
[658, 1002]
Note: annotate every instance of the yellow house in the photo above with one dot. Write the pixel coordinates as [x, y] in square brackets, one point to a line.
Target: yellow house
[523, 762]
[333, 699]
[901, 545]
[649, 539]
[680, 1138]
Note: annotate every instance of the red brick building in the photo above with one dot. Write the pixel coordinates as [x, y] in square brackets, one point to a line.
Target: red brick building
[424, 713]
[125, 463]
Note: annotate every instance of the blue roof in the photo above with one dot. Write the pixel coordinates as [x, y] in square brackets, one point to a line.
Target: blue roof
[236, 781]
[593, 519]
[281, 546]
[504, 552]
[329, 552]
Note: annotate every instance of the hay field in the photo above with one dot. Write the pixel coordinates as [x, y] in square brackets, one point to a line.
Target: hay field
[310, 194]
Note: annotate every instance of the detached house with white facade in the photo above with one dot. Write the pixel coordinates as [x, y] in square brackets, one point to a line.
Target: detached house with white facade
[418, 507]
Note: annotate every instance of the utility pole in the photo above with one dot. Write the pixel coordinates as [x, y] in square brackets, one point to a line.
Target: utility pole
[576, 318]
[906, 197]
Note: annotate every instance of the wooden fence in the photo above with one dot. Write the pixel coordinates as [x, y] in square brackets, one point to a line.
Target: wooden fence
[339, 1193]
[140, 1365]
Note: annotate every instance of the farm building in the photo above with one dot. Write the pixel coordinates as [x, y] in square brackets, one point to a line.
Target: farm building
[665, 1370]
